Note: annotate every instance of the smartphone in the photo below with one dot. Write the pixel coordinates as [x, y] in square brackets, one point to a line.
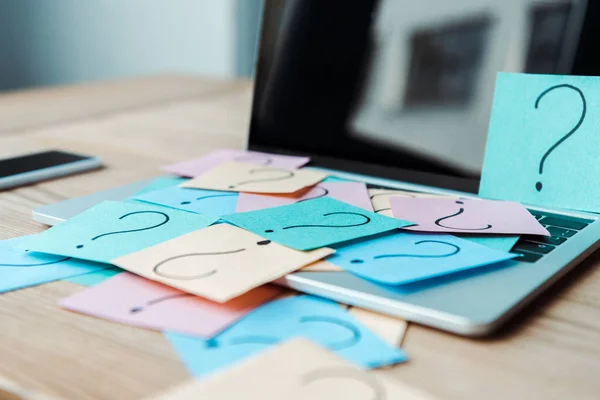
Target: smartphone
[37, 167]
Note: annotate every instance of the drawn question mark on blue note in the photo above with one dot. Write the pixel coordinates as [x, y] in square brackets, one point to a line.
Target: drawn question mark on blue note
[454, 250]
[388, 194]
[166, 219]
[539, 185]
[251, 158]
[183, 203]
[150, 303]
[438, 221]
[324, 192]
[365, 221]
[287, 174]
[159, 268]
[348, 374]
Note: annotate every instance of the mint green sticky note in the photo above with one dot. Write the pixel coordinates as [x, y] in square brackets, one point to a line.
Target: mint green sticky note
[308, 225]
[161, 182]
[542, 141]
[94, 278]
[112, 229]
[502, 243]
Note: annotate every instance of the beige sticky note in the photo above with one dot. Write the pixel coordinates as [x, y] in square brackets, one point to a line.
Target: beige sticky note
[321, 266]
[294, 370]
[390, 329]
[218, 263]
[243, 177]
[381, 203]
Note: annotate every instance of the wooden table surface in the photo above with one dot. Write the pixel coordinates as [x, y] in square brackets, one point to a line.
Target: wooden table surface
[136, 126]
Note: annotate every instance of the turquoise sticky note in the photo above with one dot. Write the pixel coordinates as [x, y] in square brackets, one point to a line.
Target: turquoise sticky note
[541, 147]
[316, 319]
[498, 242]
[312, 224]
[112, 229]
[94, 278]
[399, 258]
[336, 179]
[161, 182]
[206, 202]
[20, 267]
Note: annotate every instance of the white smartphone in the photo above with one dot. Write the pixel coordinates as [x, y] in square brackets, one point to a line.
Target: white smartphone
[37, 167]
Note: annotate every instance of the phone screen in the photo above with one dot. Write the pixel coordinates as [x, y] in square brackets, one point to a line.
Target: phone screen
[32, 162]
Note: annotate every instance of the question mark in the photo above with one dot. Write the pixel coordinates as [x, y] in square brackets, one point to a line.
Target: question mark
[167, 218]
[137, 309]
[538, 185]
[162, 274]
[438, 221]
[289, 174]
[36, 265]
[249, 157]
[208, 197]
[366, 221]
[346, 373]
[455, 250]
[323, 194]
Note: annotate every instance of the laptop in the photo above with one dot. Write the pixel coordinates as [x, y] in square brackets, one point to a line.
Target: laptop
[397, 94]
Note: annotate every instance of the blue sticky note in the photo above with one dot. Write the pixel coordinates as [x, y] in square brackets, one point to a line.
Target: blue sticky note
[316, 319]
[112, 229]
[332, 178]
[207, 202]
[312, 224]
[400, 258]
[94, 278]
[161, 182]
[499, 242]
[21, 268]
[541, 146]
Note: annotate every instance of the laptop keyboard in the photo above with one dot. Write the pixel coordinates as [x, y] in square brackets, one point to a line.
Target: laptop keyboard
[561, 227]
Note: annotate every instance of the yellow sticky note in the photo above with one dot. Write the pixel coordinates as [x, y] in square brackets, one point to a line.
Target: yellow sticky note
[218, 263]
[294, 370]
[380, 199]
[243, 177]
[322, 266]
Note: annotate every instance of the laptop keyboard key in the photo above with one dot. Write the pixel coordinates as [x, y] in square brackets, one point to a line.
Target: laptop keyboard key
[560, 232]
[564, 223]
[526, 257]
[555, 241]
[532, 247]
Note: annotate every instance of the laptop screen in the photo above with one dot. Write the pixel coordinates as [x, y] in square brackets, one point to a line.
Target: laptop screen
[398, 83]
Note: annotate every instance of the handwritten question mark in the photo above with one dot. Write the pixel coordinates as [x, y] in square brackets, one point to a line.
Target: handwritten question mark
[157, 268]
[366, 221]
[209, 197]
[138, 309]
[270, 340]
[454, 251]
[252, 158]
[438, 221]
[388, 194]
[287, 175]
[166, 219]
[539, 185]
[324, 193]
[346, 373]
[36, 265]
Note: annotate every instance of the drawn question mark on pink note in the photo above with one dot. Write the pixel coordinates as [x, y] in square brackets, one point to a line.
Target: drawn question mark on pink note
[461, 210]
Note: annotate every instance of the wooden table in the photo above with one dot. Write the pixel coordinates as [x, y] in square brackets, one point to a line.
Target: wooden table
[136, 126]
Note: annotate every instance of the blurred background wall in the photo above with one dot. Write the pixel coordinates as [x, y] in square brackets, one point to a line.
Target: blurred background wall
[50, 42]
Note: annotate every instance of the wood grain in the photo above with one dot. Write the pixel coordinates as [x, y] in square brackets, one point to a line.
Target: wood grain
[137, 126]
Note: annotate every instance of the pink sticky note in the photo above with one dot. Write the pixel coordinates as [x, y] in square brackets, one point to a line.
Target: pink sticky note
[197, 166]
[132, 300]
[354, 193]
[466, 216]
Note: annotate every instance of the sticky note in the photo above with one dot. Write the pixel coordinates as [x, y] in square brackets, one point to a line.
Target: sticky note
[401, 258]
[244, 177]
[294, 370]
[161, 182]
[20, 267]
[466, 216]
[321, 266]
[95, 277]
[313, 224]
[319, 320]
[198, 166]
[112, 229]
[131, 300]
[380, 199]
[353, 193]
[218, 263]
[206, 202]
[390, 329]
[498, 242]
[541, 141]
